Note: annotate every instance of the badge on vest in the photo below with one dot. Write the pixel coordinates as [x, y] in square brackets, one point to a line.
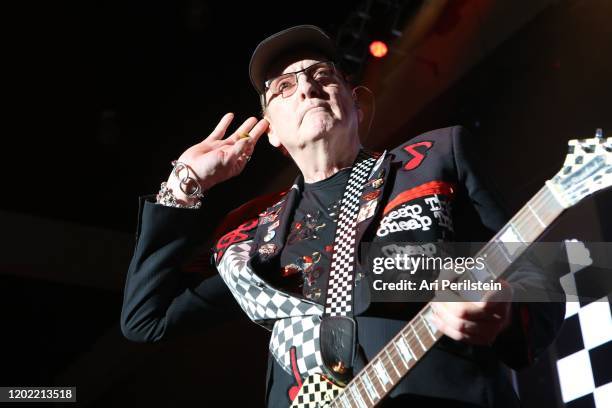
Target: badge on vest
[367, 210]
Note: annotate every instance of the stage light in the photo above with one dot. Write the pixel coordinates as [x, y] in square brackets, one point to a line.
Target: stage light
[378, 49]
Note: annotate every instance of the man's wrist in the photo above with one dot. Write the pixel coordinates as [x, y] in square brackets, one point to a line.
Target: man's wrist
[174, 184]
[172, 196]
[181, 190]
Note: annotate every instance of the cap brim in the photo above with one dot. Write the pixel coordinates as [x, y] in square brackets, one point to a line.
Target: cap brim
[298, 38]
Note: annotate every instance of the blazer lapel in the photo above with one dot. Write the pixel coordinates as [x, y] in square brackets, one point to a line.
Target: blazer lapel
[272, 231]
[371, 203]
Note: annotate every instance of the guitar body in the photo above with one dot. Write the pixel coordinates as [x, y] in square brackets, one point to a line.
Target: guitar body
[316, 392]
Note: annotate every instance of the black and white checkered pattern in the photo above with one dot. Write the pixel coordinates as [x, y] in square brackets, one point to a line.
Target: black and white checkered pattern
[317, 392]
[303, 334]
[584, 345]
[577, 149]
[585, 355]
[261, 302]
[339, 289]
[293, 321]
[579, 153]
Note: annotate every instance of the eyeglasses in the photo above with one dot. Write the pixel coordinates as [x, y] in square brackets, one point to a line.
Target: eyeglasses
[286, 85]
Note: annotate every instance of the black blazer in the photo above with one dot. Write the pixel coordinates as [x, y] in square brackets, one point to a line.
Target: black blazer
[158, 304]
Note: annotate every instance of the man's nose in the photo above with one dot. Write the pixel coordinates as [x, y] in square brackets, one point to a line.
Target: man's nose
[307, 86]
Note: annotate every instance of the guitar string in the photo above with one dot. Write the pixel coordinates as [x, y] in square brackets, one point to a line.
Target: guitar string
[498, 259]
[361, 388]
[358, 383]
[525, 216]
[382, 356]
[536, 201]
[520, 221]
[551, 212]
[523, 225]
[519, 218]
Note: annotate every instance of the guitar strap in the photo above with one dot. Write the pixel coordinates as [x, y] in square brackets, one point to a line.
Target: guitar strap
[322, 336]
[338, 329]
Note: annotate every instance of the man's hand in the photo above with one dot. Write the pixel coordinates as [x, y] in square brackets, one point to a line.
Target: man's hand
[475, 322]
[215, 159]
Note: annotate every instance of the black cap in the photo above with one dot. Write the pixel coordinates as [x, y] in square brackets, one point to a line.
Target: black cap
[298, 38]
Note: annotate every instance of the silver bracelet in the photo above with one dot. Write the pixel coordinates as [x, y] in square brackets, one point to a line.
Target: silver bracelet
[167, 198]
[184, 181]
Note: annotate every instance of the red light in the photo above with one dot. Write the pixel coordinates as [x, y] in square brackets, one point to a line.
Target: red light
[378, 49]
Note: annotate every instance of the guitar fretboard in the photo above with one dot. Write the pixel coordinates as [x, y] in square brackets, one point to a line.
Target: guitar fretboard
[389, 366]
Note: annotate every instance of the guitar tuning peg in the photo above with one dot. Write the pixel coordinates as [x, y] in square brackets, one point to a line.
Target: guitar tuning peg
[599, 133]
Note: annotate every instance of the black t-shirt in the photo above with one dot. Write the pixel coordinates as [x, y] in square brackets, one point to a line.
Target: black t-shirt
[306, 257]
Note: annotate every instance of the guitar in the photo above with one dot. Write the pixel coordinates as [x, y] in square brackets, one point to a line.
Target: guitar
[586, 170]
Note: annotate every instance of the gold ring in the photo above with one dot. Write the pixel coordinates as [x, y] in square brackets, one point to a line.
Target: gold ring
[244, 135]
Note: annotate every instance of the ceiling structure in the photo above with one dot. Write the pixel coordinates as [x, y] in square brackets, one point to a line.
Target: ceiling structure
[113, 91]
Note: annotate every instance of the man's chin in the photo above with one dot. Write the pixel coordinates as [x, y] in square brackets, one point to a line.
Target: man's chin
[316, 129]
[314, 135]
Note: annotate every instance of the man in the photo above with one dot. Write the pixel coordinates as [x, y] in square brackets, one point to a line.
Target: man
[291, 261]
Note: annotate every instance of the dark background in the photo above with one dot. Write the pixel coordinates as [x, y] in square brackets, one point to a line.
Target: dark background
[101, 96]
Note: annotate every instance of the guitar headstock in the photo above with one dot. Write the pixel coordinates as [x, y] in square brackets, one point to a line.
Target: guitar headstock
[586, 170]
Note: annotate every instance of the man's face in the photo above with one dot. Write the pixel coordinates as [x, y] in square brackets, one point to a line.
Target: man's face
[321, 107]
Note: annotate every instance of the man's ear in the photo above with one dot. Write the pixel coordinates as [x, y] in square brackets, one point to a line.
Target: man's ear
[360, 114]
[271, 134]
[357, 106]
